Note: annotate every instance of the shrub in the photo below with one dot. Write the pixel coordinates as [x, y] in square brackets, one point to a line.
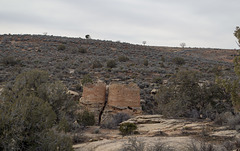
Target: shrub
[61, 47]
[79, 138]
[97, 64]
[86, 79]
[86, 118]
[52, 141]
[115, 120]
[234, 121]
[111, 64]
[10, 61]
[133, 144]
[184, 97]
[82, 50]
[157, 80]
[145, 62]
[127, 128]
[123, 58]
[31, 107]
[179, 61]
[159, 146]
[202, 147]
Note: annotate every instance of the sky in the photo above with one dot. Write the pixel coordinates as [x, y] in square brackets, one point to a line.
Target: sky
[198, 23]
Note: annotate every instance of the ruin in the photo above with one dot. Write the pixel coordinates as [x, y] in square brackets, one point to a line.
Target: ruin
[121, 98]
[93, 98]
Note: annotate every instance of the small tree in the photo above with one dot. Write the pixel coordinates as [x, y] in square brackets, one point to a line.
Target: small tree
[233, 87]
[88, 37]
[182, 45]
[144, 43]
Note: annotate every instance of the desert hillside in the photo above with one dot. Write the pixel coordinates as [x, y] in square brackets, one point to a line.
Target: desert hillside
[112, 84]
[70, 59]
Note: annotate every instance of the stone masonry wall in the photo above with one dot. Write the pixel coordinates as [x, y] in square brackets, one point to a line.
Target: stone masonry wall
[121, 98]
[93, 98]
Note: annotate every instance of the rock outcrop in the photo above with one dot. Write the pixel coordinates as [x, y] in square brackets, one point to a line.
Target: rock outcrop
[121, 98]
[93, 98]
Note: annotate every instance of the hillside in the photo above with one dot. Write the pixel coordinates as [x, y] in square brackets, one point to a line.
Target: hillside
[126, 86]
[69, 59]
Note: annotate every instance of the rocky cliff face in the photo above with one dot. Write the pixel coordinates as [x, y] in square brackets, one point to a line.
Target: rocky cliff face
[121, 98]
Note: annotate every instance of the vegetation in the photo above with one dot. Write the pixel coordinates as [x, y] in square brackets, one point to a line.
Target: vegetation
[202, 147]
[97, 64]
[111, 64]
[123, 58]
[82, 50]
[61, 47]
[145, 62]
[185, 97]
[233, 86]
[115, 120]
[127, 128]
[183, 44]
[10, 61]
[31, 111]
[135, 144]
[86, 80]
[86, 118]
[179, 61]
[87, 36]
[157, 80]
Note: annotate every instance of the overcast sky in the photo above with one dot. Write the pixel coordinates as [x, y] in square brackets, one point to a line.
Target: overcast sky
[198, 23]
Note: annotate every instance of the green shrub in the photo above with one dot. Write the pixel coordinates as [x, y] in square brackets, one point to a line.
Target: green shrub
[145, 62]
[9, 60]
[127, 128]
[157, 80]
[31, 107]
[86, 79]
[179, 61]
[111, 64]
[82, 50]
[61, 47]
[53, 141]
[25, 122]
[86, 118]
[123, 58]
[232, 85]
[97, 64]
[184, 97]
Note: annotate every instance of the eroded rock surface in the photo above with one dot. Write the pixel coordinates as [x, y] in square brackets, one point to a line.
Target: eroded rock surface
[175, 133]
